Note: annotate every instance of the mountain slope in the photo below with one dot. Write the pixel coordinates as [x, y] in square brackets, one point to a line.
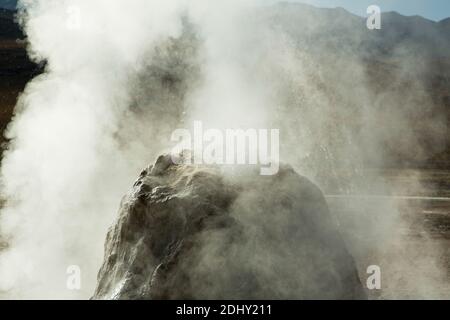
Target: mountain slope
[8, 27]
[405, 68]
[399, 77]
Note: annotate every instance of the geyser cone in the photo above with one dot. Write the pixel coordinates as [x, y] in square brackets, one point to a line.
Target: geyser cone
[192, 232]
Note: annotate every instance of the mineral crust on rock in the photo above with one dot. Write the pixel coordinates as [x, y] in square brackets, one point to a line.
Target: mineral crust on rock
[195, 232]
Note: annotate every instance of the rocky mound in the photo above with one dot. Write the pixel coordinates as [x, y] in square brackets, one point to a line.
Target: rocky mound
[193, 232]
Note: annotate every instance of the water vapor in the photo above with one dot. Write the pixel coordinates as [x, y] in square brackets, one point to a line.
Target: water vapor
[121, 76]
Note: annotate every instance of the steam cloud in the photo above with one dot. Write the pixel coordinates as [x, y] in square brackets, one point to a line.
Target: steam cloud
[116, 87]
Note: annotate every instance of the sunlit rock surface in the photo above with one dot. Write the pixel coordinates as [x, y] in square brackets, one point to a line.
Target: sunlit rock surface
[194, 232]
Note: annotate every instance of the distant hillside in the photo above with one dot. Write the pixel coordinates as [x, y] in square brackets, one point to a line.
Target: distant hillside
[305, 22]
[15, 67]
[8, 28]
[8, 4]
[406, 67]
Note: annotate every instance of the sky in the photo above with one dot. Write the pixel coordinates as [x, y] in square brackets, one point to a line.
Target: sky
[432, 9]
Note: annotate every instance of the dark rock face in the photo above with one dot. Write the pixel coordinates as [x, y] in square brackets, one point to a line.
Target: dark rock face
[190, 232]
